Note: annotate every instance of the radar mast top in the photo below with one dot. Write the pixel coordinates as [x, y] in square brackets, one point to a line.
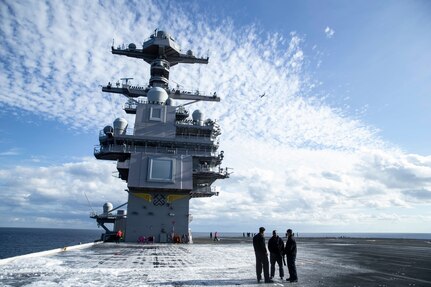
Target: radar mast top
[161, 52]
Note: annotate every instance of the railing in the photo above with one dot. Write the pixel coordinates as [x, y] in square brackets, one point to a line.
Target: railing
[126, 86]
[208, 124]
[129, 148]
[196, 92]
[190, 122]
[211, 169]
[132, 105]
[134, 87]
[205, 168]
[182, 110]
[129, 132]
[197, 138]
[204, 191]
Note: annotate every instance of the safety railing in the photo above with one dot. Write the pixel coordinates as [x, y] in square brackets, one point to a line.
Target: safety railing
[131, 148]
[204, 191]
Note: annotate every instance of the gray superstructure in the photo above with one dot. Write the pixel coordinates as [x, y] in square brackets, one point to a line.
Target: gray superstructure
[169, 158]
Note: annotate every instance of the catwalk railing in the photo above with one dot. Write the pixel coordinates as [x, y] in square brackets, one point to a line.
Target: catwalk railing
[199, 151]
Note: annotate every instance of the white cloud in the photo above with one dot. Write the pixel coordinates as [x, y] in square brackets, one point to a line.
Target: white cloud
[276, 185]
[70, 56]
[329, 32]
[10, 152]
[56, 194]
[270, 185]
[296, 159]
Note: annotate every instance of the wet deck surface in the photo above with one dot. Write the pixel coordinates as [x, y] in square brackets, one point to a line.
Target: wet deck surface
[229, 262]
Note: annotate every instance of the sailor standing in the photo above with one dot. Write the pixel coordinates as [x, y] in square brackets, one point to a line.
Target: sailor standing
[276, 249]
[261, 256]
[290, 252]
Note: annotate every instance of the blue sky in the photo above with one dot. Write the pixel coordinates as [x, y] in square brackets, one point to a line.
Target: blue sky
[340, 142]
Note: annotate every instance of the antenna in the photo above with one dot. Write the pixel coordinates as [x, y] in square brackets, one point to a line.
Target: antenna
[189, 103]
[178, 84]
[89, 204]
[126, 79]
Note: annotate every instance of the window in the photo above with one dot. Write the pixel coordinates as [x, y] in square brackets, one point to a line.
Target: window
[156, 114]
[161, 169]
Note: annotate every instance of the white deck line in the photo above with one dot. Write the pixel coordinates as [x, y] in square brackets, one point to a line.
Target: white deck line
[48, 252]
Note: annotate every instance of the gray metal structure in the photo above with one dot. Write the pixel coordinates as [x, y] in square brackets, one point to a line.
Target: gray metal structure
[169, 158]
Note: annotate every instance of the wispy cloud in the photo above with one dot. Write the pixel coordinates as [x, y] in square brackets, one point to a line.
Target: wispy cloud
[70, 56]
[10, 152]
[293, 154]
[329, 32]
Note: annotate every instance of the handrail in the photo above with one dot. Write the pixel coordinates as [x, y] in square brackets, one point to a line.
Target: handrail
[205, 191]
[212, 137]
[129, 148]
[129, 132]
[133, 104]
[211, 169]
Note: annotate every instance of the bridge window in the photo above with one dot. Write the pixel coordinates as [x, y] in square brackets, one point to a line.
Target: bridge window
[161, 169]
[156, 114]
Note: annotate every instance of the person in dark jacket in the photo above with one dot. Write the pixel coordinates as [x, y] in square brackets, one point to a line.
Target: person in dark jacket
[276, 249]
[261, 256]
[290, 252]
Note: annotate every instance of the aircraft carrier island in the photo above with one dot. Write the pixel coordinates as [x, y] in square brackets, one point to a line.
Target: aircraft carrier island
[168, 158]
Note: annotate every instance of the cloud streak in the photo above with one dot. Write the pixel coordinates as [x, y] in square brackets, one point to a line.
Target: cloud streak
[295, 157]
[329, 32]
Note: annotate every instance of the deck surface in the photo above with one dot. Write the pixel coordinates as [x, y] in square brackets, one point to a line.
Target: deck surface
[229, 262]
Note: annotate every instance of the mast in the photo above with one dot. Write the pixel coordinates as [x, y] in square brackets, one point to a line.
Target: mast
[169, 158]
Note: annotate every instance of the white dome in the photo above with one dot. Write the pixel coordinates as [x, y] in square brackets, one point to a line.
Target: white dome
[120, 123]
[107, 207]
[157, 95]
[120, 126]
